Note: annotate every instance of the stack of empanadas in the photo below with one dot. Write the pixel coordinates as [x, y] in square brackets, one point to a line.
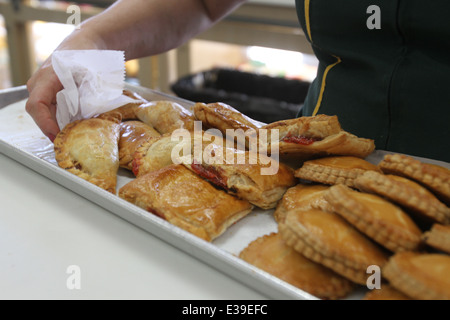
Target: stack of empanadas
[338, 215]
[144, 138]
[349, 216]
[301, 138]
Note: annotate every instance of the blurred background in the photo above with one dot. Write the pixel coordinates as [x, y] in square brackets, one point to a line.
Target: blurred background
[262, 39]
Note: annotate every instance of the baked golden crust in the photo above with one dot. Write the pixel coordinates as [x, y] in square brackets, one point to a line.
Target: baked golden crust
[132, 135]
[156, 153]
[166, 116]
[302, 197]
[89, 149]
[419, 275]
[335, 170]
[243, 174]
[376, 217]
[328, 239]
[433, 177]
[317, 127]
[342, 143]
[406, 193]
[321, 135]
[179, 196]
[222, 117]
[128, 111]
[386, 292]
[271, 254]
[438, 238]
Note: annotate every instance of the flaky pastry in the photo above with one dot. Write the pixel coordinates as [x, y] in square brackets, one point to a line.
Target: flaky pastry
[302, 197]
[421, 276]
[271, 254]
[132, 135]
[241, 173]
[433, 177]
[328, 239]
[376, 217]
[128, 111]
[166, 116]
[406, 193]
[179, 196]
[321, 135]
[335, 170]
[89, 149]
[157, 153]
[222, 117]
[438, 237]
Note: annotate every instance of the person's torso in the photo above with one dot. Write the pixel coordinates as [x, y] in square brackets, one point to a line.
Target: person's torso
[384, 70]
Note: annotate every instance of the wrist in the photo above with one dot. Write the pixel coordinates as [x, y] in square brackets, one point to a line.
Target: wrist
[83, 39]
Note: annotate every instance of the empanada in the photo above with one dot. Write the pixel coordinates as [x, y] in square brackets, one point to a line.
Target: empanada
[271, 254]
[254, 177]
[128, 111]
[328, 239]
[302, 197]
[335, 170]
[222, 117]
[166, 116]
[438, 237]
[89, 149]
[433, 177]
[421, 276]
[406, 193]
[157, 153]
[132, 135]
[179, 196]
[309, 137]
[376, 217]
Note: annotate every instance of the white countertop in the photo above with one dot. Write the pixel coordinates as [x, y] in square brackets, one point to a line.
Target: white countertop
[45, 229]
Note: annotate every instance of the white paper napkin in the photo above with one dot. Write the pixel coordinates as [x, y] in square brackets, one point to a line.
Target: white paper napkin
[93, 82]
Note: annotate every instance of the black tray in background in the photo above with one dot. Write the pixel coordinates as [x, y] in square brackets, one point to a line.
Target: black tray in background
[261, 97]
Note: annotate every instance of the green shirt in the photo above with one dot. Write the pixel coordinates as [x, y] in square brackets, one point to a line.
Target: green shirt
[390, 84]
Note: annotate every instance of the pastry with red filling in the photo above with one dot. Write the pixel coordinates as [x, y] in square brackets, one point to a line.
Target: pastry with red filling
[179, 196]
[254, 177]
[321, 135]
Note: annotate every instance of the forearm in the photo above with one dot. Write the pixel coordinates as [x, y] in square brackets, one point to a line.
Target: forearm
[148, 27]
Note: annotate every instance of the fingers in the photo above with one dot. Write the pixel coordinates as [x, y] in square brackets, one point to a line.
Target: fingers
[41, 104]
[45, 117]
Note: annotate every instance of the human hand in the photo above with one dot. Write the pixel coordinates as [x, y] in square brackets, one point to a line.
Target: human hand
[41, 105]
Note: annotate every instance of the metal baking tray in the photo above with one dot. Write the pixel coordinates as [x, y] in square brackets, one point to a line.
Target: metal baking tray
[21, 140]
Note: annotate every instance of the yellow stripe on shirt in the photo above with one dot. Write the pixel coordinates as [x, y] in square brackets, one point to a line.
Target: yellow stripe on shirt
[307, 19]
[324, 81]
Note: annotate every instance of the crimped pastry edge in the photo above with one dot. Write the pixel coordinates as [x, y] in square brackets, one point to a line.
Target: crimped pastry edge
[356, 275]
[400, 279]
[373, 182]
[386, 235]
[411, 168]
[437, 238]
[333, 290]
[66, 162]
